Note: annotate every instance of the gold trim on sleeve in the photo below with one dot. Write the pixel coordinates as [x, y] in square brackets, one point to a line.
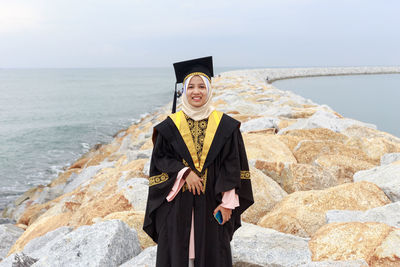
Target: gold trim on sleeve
[158, 179]
[244, 174]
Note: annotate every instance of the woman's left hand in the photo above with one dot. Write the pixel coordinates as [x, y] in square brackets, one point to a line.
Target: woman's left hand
[226, 213]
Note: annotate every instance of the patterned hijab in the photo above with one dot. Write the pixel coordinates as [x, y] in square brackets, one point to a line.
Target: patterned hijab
[197, 113]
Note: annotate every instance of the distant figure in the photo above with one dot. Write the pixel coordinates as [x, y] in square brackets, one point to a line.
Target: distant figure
[268, 80]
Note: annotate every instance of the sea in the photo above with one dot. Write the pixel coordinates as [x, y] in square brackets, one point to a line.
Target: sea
[50, 117]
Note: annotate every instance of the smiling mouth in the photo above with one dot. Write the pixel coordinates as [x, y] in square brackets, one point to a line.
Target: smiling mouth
[196, 98]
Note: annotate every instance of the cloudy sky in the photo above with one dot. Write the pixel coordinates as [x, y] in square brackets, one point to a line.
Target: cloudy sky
[156, 33]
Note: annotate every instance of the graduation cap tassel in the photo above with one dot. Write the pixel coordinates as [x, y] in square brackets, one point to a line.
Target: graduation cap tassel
[174, 101]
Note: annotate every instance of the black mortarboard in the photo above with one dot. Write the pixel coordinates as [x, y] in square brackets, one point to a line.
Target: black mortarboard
[202, 65]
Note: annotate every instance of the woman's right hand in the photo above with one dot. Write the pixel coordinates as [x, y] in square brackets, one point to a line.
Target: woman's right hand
[194, 183]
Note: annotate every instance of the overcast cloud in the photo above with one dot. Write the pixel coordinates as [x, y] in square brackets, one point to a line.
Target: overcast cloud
[138, 33]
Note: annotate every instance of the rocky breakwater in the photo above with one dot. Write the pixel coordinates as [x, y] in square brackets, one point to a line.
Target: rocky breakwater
[326, 188]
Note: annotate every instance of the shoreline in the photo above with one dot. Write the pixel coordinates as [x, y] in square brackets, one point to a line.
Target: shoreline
[287, 137]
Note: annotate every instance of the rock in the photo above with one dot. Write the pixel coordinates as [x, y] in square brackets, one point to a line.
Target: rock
[18, 260]
[373, 147]
[297, 177]
[259, 124]
[39, 228]
[353, 263]
[342, 167]
[147, 258]
[76, 180]
[389, 158]
[42, 241]
[138, 154]
[387, 177]
[316, 134]
[368, 133]
[389, 214]
[302, 213]
[8, 235]
[307, 151]
[256, 246]
[135, 190]
[376, 243]
[325, 119]
[108, 243]
[266, 193]
[135, 220]
[146, 168]
[268, 148]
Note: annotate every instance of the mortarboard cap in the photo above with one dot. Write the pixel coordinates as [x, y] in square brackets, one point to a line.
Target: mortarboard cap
[203, 65]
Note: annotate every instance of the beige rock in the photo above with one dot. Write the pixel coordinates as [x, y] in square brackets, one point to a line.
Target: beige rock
[39, 228]
[374, 147]
[244, 117]
[80, 163]
[285, 122]
[388, 253]
[307, 151]
[266, 193]
[297, 177]
[147, 145]
[302, 112]
[267, 147]
[302, 213]
[135, 220]
[102, 153]
[63, 177]
[365, 132]
[377, 243]
[317, 134]
[290, 141]
[342, 167]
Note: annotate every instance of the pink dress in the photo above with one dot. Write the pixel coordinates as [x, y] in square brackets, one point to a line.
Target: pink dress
[230, 200]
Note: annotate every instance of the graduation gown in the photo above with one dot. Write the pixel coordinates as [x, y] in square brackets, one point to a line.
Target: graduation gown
[222, 166]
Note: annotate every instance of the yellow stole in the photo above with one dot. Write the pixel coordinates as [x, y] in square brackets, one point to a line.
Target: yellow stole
[181, 124]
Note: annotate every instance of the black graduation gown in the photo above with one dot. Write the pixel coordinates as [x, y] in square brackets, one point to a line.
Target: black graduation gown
[223, 165]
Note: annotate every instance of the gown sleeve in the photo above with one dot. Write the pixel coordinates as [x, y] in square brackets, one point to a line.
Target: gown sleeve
[235, 174]
[165, 165]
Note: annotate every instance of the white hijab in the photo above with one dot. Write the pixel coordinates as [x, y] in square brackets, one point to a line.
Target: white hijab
[197, 113]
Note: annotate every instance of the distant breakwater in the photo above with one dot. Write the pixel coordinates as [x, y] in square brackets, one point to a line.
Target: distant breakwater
[271, 75]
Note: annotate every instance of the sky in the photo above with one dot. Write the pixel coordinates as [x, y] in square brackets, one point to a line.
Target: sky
[156, 33]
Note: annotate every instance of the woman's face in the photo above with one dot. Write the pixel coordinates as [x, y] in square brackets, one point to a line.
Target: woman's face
[196, 92]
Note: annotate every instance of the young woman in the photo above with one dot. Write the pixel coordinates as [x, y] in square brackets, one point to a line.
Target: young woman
[198, 169]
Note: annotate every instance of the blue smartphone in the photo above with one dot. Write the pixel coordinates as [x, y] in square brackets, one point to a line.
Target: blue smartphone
[218, 217]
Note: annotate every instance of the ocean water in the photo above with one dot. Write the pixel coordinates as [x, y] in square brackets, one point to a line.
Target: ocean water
[51, 117]
[373, 98]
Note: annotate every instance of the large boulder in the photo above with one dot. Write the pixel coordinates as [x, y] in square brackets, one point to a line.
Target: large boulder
[266, 192]
[307, 151]
[302, 213]
[9, 233]
[376, 243]
[328, 120]
[297, 177]
[134, 219]
[256, 246]
[146, 258]
[389, 214]
[268, 148]
[387, 177]
[108, 243]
